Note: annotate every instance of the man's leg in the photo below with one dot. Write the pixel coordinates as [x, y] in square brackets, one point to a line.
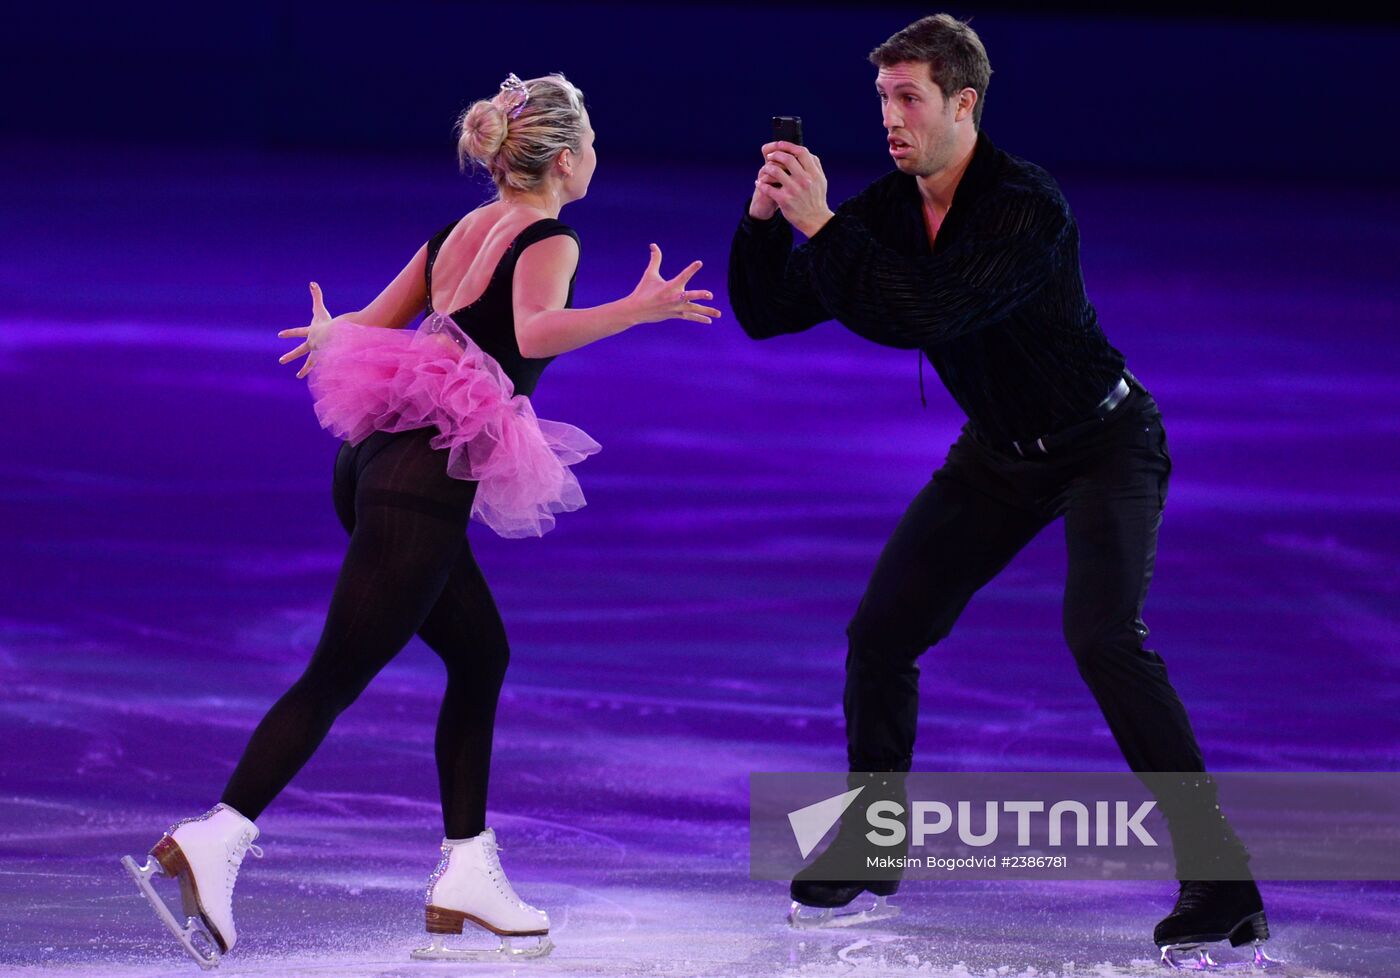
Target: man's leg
[1111, 524]
[954, 538]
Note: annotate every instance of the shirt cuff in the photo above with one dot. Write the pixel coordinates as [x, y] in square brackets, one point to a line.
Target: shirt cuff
[826, 234]
[753, 226]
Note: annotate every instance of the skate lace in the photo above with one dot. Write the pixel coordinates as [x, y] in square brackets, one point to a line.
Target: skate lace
[235, 856]
[1191, 895]
[498, 875]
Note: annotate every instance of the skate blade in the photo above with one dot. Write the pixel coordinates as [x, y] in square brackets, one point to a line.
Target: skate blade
[196, 941]
[827, 917]
[1198, 957]
[439, 951]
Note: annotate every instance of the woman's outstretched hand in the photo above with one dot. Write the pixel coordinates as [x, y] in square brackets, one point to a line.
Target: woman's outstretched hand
[656, 299]
[315, 333]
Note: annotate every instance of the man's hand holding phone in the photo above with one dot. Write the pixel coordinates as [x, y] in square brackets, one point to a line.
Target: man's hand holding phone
[786, 128]
[791, 180]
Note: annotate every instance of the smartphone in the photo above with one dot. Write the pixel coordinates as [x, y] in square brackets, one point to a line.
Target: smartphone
[788, 128]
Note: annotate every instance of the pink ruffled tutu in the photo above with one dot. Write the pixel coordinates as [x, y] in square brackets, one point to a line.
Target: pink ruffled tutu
[367, 379]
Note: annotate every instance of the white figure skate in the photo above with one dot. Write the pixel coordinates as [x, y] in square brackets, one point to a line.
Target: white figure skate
[203, 854]
[469, 885]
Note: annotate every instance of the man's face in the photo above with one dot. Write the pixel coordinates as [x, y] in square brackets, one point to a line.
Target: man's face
[918, 122]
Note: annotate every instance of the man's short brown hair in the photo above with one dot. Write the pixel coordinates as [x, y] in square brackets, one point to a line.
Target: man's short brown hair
[951, 49]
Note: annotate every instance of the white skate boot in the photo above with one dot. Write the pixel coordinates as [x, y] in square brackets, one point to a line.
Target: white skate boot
[469, 884]
[203, 854]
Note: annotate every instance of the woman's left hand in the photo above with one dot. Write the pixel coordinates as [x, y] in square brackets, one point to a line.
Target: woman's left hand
[315, 333]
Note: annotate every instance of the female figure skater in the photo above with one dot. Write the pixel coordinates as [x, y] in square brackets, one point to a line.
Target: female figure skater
[438, 426]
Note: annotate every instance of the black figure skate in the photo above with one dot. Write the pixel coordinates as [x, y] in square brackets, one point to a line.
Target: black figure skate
[1218, 899]
[833, 882]
[1208, 911]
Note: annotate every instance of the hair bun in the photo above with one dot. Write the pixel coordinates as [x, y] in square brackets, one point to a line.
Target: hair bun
[518, 133]
[483, 129]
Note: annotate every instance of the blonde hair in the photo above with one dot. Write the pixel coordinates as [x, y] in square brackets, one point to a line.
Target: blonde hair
[516, 143]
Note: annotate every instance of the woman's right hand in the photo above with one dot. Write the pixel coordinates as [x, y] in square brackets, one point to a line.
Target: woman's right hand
[314, 333]
[656, 299]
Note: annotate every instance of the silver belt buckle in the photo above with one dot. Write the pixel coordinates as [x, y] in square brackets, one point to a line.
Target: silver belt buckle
[1114, 398]
[1039, 443]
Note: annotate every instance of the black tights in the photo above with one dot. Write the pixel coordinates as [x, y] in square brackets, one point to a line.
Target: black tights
[408, 570]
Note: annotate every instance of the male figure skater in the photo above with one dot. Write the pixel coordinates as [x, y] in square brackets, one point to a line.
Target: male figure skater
[972, 256]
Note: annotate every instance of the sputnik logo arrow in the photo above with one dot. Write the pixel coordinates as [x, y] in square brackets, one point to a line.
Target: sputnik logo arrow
[811, 823]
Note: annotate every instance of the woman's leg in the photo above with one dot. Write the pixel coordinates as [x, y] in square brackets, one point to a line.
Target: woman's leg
[409, 524]
[465, 630]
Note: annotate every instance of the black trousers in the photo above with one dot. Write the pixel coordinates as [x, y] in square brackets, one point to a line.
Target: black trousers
[981, 507]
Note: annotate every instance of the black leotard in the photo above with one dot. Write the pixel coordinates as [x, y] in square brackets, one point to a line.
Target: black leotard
[490, 320]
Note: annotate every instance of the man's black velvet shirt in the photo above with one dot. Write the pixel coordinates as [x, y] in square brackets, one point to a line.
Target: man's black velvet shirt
[997, 303]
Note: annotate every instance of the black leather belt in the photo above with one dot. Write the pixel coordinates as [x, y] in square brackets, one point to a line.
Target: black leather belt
[1042, 446]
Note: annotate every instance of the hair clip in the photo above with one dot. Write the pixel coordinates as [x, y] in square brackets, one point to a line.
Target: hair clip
[514, 94]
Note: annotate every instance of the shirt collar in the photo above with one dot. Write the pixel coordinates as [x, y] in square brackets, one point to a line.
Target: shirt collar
[981, 170]
[979, 177]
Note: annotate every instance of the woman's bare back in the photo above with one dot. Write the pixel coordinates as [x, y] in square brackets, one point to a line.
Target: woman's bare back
[472, 251]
